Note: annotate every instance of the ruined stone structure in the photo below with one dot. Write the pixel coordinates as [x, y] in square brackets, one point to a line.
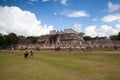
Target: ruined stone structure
[65, 39]
[103, 42]
[68, 38]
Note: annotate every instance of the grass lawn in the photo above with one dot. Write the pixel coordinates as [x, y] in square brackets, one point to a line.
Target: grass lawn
[62, 65]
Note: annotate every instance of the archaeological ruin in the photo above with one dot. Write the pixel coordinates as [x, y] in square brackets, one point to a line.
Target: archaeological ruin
[65, 39]
[68, 38]
[62, 39]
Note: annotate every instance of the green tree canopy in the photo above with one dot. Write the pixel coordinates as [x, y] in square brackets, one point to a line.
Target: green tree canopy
[1, 40]
[87, 38]
[115, 37]
[13, 38]
[32, 39]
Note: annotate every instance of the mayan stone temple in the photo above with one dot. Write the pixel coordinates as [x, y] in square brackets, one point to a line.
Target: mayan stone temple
[66, 39]
[63, 39]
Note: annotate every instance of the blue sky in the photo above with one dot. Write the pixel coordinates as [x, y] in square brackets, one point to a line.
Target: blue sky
[93, 17]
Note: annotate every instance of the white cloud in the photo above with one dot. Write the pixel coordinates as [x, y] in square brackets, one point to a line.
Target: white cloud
[34, 0]
[45, 0]
[64, 2]
[75, 13]
[78, 27]
[78, 14]
[111, 18]
[90, 31]
[118, 26]
[103, 30]
[13, 19]
[113, 7]
[106, 30]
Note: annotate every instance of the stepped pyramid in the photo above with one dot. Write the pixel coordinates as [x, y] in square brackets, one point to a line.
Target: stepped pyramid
[63, 39]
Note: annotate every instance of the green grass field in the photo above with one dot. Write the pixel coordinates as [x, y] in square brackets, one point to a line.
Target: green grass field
[62, 65]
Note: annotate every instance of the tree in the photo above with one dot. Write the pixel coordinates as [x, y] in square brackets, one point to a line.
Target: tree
[1, 40]
[87, 38]
[13, 38]
[32, 39]
[115, 37]
[10, 40]
[118, 36]
[81, 34]
[6, 41]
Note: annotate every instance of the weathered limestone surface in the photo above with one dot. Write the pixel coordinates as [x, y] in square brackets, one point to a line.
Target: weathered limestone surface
[67, 38]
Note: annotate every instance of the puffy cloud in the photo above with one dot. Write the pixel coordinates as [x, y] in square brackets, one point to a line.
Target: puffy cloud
[75, 13]
[21, 22]
[118, 26]
[111, 18]
[113, 7]
[102, 31]
[90, 31]
[106, 30]
[78, 14]
[78, 27]
[64, 2]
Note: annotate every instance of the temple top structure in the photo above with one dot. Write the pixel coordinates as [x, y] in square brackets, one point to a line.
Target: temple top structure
[62, 32]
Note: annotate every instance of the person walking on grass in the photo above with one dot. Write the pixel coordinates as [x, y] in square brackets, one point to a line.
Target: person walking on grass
[70, 49]
[26, 53]
[31, 53]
